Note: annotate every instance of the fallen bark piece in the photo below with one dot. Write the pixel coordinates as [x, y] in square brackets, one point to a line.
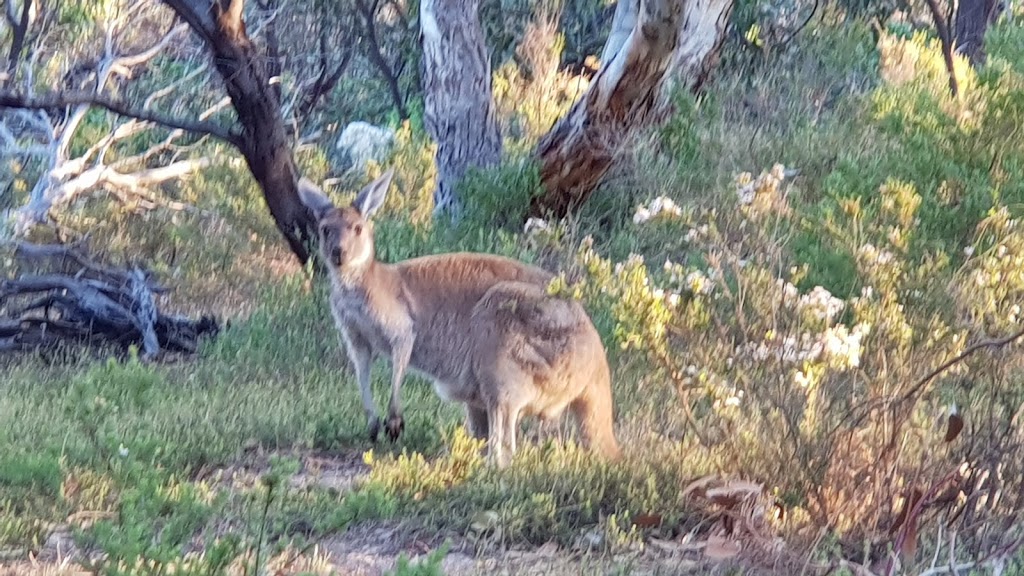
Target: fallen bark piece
[73, 299]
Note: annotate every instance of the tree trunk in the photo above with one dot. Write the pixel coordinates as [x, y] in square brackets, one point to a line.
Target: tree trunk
[972, 20]
[265, 143]
[623, 23]
[674, 43]
[19, 24]
[458, 107]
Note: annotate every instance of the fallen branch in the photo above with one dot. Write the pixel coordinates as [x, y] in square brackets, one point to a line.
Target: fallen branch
[83, 301]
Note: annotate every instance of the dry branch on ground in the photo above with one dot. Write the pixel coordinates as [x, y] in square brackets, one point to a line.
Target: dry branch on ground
[72, 298]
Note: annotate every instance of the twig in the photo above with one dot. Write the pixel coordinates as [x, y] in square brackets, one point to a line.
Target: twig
[998, 343]
[942, 27]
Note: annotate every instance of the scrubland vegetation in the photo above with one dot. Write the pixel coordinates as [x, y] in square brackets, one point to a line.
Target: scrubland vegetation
[809, 282]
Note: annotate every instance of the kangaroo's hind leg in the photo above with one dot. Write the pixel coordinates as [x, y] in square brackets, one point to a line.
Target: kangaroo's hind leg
[477, 422]
[501, 441]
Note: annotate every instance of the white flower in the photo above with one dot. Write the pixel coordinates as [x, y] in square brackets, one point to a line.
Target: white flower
[660, 205]
[745, 194]
[802, 380]
[1001, 251]
[821, 303]
[789, 291]
[698, 283]
[534, 225]
[843, 346]
[122, 451]
[642, 215]
[673, 299]
[969, 251]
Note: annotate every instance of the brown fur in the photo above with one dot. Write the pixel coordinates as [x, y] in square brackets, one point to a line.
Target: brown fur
[481, 327]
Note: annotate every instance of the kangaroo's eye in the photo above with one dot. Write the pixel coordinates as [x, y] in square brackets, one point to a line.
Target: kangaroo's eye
[358, 229]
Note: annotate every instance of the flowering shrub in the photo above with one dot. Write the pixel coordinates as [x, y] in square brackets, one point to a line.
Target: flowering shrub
[828, 398]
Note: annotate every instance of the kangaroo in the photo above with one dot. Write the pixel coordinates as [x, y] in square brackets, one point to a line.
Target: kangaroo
[481, 327]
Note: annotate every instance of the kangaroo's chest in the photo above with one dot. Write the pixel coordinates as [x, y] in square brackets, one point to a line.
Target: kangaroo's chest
[357, 321]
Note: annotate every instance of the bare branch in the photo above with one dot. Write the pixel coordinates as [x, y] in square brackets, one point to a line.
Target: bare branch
[199, 16]
[942, 27]
[376, 55]
[19, 31]
[997, 343]
[148, 54]
[326, 80]
[62, 100]
[101, 175]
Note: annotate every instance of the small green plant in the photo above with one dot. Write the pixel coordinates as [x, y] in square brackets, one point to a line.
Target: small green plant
[429, 566]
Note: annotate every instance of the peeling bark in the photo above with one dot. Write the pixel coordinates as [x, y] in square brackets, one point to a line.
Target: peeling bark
[674, 43]
[458, 107]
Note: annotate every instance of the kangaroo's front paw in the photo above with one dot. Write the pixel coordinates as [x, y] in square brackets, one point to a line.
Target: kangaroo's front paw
[373, 428]
[395, 427]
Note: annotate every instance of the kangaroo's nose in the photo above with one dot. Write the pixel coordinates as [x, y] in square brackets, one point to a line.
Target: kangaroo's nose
[336, 256]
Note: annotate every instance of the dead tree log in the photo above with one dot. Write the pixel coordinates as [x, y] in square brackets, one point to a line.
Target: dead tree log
[71, 298]
[672, 45]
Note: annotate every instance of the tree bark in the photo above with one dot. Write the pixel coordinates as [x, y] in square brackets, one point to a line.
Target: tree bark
[626, 12]
[673, 44]
[264, 139]
[458, 107]
[972, 20]
[19, 30]
[942, 28]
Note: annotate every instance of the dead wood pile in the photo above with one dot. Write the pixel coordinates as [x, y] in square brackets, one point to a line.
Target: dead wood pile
[70, 298]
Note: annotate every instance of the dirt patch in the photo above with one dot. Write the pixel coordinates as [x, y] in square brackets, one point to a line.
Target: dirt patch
[373, 549]
[337, 471]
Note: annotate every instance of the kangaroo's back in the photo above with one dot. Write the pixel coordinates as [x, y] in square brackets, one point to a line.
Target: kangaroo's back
[439, 293]
[543, 354]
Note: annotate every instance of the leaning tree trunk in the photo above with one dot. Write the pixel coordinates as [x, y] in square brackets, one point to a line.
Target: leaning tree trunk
[458, 108]
[264, 141]
[673, 43]
[972, 20]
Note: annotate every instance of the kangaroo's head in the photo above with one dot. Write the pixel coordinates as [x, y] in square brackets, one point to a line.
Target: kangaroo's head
[346, 234]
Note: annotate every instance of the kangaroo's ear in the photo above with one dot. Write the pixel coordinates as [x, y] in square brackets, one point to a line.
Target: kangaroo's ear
[372, 196]
[313, 197]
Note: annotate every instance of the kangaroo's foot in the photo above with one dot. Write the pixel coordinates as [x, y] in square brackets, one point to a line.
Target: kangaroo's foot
[395, 427]
[373, 428]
